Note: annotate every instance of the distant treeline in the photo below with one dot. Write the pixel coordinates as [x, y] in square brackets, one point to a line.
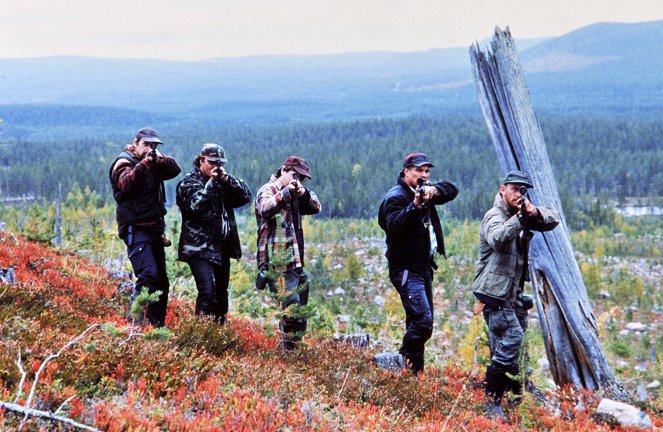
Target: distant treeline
[354, 163]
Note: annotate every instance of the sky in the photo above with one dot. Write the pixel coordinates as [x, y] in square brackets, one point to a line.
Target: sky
[201, 29]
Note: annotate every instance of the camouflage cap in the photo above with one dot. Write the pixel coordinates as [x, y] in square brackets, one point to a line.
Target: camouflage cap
[518, 177]
[213, 152]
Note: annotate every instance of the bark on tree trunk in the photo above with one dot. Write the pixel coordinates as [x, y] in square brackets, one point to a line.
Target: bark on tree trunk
[569, 327]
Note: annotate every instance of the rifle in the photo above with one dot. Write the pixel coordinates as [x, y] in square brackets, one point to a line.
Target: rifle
[420, 190]
[153, 153]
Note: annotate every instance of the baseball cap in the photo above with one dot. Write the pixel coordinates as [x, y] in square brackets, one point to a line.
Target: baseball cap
[213, 152]
[148, 135]
[298, 164]
[417, 159]
[518, 177]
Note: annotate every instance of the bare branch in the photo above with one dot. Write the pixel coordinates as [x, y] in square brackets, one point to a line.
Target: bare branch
[63, 404]
[131, 333]
[19, 363]
[51, 357]
[338, 396]
[44, 414]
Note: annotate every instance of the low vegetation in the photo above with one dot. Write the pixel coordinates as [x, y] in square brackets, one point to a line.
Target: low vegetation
[199, 376]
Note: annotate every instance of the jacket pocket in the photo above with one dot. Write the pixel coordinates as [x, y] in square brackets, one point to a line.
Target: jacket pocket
[498, 285]
[135, 249]
[413, 304]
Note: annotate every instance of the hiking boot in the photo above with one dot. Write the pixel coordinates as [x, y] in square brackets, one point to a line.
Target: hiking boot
[494, 412]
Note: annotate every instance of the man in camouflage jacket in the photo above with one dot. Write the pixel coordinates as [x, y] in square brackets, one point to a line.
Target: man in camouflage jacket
[501, 273]
[207, 197]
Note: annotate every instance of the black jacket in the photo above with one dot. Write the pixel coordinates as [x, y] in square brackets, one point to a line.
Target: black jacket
[408, 240]
[209, 230]
[142, 200]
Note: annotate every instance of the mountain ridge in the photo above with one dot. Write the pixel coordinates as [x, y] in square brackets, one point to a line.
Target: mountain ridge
[601, 68]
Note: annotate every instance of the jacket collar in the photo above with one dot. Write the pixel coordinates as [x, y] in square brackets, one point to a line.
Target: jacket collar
[405, 186]
[500, 204]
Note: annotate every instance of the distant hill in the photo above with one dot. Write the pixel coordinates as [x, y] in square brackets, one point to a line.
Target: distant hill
[601, 68]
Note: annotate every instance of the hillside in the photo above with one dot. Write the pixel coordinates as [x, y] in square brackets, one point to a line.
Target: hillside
[197, 376]
[605, 68]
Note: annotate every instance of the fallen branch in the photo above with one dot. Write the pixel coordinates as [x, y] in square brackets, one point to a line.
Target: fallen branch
[44, 414]
[25, 409]
[54, 356]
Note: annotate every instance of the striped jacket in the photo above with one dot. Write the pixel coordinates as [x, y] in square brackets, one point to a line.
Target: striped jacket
[274, 204]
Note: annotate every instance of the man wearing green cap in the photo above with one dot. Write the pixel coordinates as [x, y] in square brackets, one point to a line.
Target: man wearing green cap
[501, 273]
[207, 197]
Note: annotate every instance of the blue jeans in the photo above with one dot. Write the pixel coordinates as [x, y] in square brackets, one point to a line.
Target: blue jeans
[148, 259]
[416, 292]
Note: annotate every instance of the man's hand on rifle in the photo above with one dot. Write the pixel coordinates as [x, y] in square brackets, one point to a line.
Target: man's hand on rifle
[219, 174]
[153, 156]
[423, 195]
[528, 209]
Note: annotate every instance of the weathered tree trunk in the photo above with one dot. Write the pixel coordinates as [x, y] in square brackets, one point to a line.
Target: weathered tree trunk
[569, 328]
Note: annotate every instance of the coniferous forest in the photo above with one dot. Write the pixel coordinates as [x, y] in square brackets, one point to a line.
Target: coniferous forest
[354, 163]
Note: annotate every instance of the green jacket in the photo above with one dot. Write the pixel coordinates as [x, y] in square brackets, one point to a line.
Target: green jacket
[502, 250]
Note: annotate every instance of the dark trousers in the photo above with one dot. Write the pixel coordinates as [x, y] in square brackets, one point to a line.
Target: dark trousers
[416, 292]
[148, 259]
[506, 330]
[296, 283]
[212, 284]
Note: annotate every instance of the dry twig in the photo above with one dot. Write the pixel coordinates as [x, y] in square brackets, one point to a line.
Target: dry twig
[26, 409]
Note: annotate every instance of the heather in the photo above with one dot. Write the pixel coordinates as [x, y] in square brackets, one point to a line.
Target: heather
[199, 376]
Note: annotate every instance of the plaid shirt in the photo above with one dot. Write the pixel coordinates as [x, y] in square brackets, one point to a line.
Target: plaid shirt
[271, 202]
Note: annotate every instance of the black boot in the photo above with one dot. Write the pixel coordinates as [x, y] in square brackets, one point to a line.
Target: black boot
[496, 382]
[414, 361]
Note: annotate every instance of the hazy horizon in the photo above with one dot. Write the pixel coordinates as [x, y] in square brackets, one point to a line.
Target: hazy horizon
[176, 30]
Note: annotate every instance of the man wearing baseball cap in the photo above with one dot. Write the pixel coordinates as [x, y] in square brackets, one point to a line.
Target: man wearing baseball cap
[500, 277]
[137, 178]
[207, 197]
[414, 236]
[279, 206]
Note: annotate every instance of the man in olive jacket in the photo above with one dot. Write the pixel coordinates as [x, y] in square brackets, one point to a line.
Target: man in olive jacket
[413, 231]
[207, 197]
[501, 273]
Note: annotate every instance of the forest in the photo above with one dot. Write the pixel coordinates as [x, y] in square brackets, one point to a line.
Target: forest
[354, 163]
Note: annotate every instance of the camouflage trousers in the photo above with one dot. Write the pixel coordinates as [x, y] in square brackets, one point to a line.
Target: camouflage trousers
[506, 331]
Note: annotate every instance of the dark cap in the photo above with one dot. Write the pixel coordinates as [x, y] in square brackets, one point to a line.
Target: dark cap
[518, 177]
[417, 159]
[298, 164]
[148, 135]
[213, 152]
